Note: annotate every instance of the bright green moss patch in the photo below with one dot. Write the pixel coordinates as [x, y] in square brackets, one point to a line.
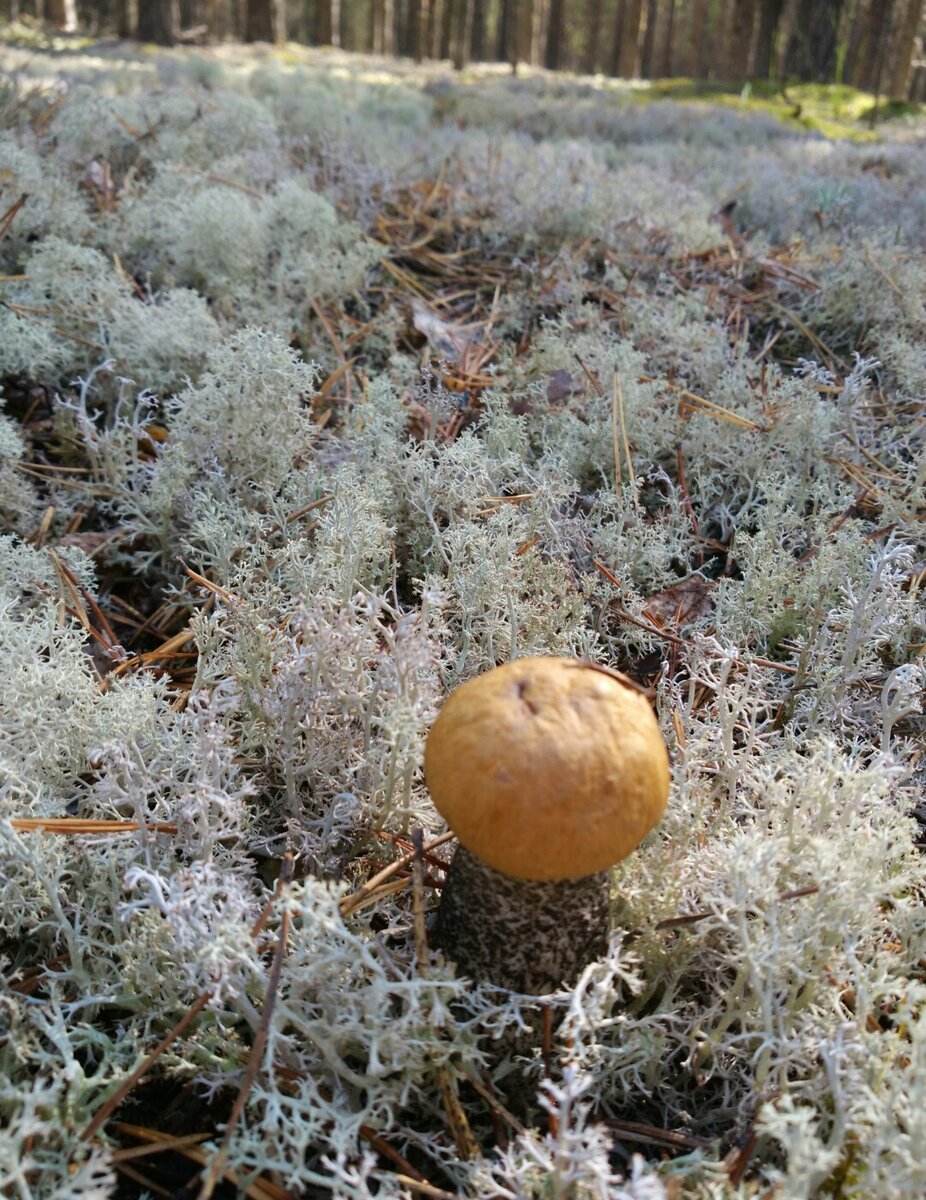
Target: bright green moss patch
[834, 110]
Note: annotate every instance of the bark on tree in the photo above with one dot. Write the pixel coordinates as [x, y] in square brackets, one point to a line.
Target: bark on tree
[444, 32]
[769, 18]
[123, 19]
[699, 43]
[265, 21]
[415, 30]
[647, 54]
[555, 51]
[863, 32]
[664, 57]
[477, 43]
[324, 22]
[591, 54]
[523, 31]
[910, 15]
[383, 22]
[63, 15]
[739, 42]
[811, 54]
[504, 45]
[427, 15]
[461, 29]
[189, 13]
[157, 22]
[531, 52]
[630, 16]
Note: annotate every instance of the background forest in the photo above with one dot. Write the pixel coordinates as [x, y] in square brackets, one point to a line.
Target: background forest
[873, 45]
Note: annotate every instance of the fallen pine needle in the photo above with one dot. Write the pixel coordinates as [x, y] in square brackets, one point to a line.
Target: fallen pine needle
[80, 825]
[350, 904]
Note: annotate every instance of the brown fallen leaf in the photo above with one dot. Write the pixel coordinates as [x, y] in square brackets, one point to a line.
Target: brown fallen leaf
[681, 604]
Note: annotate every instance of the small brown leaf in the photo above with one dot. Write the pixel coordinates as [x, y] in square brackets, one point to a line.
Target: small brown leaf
[559, 386]
[681, 604]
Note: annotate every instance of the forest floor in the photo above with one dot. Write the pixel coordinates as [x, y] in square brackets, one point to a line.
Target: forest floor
[331, 382]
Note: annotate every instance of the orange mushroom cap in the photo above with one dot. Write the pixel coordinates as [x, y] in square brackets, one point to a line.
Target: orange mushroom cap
[548, 768]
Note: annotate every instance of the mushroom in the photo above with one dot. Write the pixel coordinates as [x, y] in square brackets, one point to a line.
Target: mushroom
[549, 771]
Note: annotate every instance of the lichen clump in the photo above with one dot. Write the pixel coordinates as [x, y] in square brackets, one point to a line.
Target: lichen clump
[322, 397]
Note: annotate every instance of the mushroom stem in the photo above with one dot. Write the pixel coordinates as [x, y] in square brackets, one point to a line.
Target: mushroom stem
[526, 935]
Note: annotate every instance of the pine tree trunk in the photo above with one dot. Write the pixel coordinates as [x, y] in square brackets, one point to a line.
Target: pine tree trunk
[324, 23]
[63, 15]
[811, 54]
[503, 31]
[769, 18]
[664, 58]
[628, 47]
[123, 19]
[590, 55]
[556, 36]
[904, 44]
[444, 34]
[858, 34]
[427, 15]
[698, 39]
[524, 31]
[157, 22]
[383, 27]
[649, 39]
[460, 33]
[265, 21]
[478, 37]
[739, 42]
[415, 30]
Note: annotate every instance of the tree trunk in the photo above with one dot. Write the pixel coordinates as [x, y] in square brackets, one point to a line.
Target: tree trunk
[123, 19]
[591, 52]
[647, 54]
[614, 58]
[860, 35]
[908, 22]
[63, 15]
[698, 41]
[355, 31]
[811, 54]
[630, 16]
[477, 43]
[427, 15]
[383, 27]
[415, 31]
[324, 23]
[739, 42]
[523, 31]
[503, 31]
[157, 22]
[555, 49]
[461, 30]
[769, 17]
[265, 21]
[444, 30]
[667, 34]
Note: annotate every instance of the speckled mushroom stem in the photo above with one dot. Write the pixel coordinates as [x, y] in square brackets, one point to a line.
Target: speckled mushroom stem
[529, 936]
